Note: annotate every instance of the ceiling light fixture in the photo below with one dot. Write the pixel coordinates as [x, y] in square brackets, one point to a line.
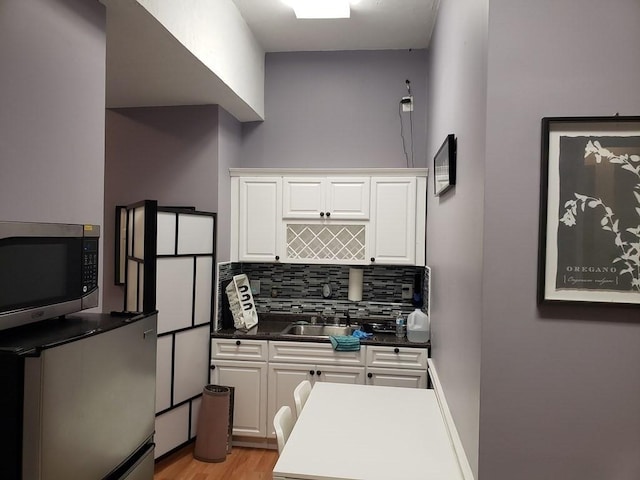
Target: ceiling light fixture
[320, 8]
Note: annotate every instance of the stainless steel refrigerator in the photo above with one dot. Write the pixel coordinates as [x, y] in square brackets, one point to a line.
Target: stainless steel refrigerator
[80, 399]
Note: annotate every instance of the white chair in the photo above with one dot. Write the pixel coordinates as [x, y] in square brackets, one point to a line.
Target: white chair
[283, 422]
[300, 395]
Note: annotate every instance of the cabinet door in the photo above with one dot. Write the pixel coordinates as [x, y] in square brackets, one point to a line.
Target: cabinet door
[347, 198]
[391, 377]
[336, 374]
[250, 405]
[320, 198]
[283, 380]
[285, 377]
[260, 219]
[303, 197]
[393, 218]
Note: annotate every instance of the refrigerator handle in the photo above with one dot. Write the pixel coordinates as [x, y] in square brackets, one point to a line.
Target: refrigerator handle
[147, 333]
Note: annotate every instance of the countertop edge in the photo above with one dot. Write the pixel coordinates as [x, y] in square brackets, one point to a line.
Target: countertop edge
[273, 333]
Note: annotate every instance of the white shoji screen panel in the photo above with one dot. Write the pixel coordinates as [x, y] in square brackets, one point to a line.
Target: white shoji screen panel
[174, 293]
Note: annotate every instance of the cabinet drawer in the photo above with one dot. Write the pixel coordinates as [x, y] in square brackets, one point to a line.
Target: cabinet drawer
[313, 353]
[396, 357]
[397, 377]
[238, 349]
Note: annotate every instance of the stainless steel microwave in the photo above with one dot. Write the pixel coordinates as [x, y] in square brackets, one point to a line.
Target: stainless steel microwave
[46, 270]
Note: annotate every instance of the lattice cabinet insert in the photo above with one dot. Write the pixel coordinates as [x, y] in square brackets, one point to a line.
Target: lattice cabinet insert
[326, 242]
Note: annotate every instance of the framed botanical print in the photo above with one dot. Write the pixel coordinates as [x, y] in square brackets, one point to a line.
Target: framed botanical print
[589, 244]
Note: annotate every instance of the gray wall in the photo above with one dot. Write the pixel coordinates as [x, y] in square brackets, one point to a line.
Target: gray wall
[52, 84]
[52, 89]
[560, 390]
[457, 104]
[169, 154]
[229, 144]
[338, 109]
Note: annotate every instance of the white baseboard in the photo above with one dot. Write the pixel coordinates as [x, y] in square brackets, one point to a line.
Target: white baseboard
[465, 468]
[251, 442]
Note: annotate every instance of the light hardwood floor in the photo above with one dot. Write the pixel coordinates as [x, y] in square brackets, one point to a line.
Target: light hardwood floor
[241, 464]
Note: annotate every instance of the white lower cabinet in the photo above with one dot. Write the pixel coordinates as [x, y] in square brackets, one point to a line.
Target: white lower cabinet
[249, 379]
[283, 378]
[292, 362]
[265, 374]
[396, 366]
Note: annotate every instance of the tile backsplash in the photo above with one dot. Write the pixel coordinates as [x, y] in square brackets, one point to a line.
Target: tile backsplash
[297, 288]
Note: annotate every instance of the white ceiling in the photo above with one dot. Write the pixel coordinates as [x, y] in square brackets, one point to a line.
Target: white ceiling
[374, 25]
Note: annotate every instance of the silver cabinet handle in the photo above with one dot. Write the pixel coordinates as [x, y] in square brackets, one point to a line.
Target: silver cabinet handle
[148, 332]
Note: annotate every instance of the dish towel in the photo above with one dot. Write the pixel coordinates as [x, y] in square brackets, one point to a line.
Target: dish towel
[344, 343]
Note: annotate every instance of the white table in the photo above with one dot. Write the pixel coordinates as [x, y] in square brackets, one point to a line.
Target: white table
[366, 432]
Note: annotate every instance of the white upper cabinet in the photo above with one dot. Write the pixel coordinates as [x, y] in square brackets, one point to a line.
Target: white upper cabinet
[393, 239]
[331, 198]
[337, 216]
[260, 219]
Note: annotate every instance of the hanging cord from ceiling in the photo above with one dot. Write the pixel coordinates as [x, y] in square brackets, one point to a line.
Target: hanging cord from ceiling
[409, 161]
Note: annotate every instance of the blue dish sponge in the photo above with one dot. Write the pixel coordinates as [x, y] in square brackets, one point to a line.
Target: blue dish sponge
[361, 334]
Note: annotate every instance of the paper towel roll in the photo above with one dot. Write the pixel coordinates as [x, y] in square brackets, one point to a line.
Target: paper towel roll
[355, 284]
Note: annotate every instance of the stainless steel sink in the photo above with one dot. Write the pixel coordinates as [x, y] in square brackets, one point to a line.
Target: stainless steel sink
[318, 330]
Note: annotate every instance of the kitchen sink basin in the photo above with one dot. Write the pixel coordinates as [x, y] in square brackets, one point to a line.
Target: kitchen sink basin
[318, 330]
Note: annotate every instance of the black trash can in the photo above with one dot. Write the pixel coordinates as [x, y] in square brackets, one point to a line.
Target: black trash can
[212, 441]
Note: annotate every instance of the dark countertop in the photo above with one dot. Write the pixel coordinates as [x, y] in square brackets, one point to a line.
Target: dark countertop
[30, 340]
[270, 327]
